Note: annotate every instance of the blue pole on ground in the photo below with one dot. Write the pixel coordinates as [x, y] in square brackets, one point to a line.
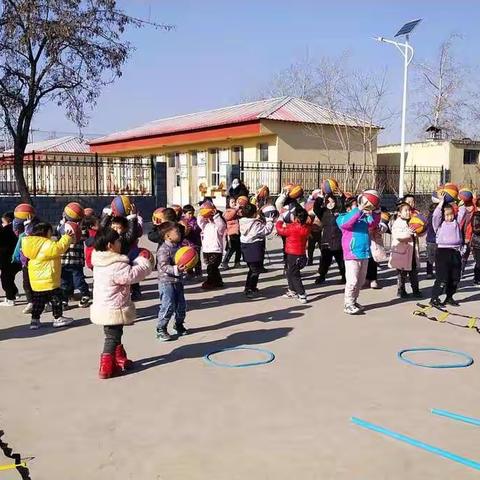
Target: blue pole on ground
[456, 416]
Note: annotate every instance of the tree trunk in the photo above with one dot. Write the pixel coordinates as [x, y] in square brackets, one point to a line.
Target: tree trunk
[19, 175]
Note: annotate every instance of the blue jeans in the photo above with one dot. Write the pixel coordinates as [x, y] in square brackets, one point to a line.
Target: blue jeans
[173, 302]
[73, 279]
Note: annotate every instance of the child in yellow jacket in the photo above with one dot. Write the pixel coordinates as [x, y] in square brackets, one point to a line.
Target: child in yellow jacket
[44, 271]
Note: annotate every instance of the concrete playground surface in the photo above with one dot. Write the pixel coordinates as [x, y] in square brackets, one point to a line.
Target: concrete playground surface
[175, 417]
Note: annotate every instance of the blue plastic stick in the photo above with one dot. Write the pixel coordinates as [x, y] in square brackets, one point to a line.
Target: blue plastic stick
[456, 416]
[417, 443]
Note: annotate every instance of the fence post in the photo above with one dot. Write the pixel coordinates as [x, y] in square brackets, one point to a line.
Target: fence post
[34, 174]
[280, 163]
[319, 172]
[152, 174]
[242, 169]
[414, 179]
[97, 180]
[442, 176]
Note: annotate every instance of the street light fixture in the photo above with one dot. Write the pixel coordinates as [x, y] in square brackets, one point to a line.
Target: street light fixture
[407, 52]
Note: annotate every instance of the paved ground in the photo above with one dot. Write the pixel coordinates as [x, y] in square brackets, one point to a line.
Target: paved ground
[175, 417]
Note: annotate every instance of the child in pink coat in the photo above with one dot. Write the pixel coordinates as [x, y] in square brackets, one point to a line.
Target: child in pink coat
[231, 216]
[112, 306]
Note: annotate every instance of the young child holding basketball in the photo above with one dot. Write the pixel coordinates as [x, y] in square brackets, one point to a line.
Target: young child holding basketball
[296, 235]
[170, 283]
[112, 307]
[404, 252]
[231, 216]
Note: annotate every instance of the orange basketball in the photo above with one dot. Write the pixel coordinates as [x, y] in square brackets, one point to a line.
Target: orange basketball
[178, 210]
[186, 257]
[74, 212]
[76, 230]
[24, 211]
[207, 209]
[157, 216]
[296, 192]
[242, 201]
[263, 192]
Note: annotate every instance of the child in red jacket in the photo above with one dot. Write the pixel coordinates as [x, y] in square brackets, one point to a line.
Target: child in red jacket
[296, 235]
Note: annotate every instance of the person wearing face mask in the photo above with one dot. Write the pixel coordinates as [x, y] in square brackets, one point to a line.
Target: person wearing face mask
[327, 210]
[237, 189]
[448, 259]
[404, 252]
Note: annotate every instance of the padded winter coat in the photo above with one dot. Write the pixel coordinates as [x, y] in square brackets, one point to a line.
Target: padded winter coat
[296, 236]
[112, 277]
[44, 261]
[404, 245]
[231, 217]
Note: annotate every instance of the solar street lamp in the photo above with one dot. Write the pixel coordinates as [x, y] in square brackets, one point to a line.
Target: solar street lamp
[407, 52]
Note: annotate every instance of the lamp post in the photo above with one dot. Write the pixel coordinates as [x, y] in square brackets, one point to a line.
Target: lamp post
[407, 52]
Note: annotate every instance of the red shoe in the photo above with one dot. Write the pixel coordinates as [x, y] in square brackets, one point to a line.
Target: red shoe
[121, 360]
[107, 366]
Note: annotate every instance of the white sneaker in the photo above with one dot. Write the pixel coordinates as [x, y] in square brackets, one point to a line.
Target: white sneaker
[28, 309]
[360, 307]
[7, 303]
[375, 285]
[351, 310]
[302, 298]
[289, 294]
[62, 322]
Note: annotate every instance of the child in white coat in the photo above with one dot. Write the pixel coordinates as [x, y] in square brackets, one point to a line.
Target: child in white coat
[112, 306]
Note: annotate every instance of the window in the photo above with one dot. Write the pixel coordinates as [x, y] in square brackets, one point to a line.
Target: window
[237, 155]
[470, 157]
[193, 158]
[173, 159]
[262, 152]
[214, 166]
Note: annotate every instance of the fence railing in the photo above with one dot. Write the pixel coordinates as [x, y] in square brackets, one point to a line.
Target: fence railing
[351, 178]
[80, 175]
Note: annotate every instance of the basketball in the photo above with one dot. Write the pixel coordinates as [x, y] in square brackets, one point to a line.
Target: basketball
[385, 217]
[296, 192]
[263, 192]
[371, 198]
[143, 252]
[24, 211]
[465, 195]
[89, 212]
[418, 223]
[450, 190]
[73, 212]
[315, 194]
[186, 257]
[178, 210]
[287, 213]
[75, 228]
[121, 206]
[435, 198]
[207, 209]
[269, 211]
[242, 201]
[157, 216]
[329, 186]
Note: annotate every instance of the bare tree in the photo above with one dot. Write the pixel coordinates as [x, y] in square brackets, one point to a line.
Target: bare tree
[442, 88]
[61, 51]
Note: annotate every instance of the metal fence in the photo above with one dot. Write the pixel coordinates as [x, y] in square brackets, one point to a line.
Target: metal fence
[352, 178]
[80, 175]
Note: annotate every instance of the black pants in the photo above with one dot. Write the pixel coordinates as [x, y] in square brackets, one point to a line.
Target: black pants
[448, 266]
[294, 265]
[312, 245]
[254, 270]
[326, 261]
[402, 279]
[213, 261]
[234, 249]
[113, 337]
[40, 299]
[7, 277]
[372, 270]
[27, 288]
[476, 269]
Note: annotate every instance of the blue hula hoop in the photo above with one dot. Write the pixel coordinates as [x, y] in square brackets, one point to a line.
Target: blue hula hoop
[270, 358]
[468, 359]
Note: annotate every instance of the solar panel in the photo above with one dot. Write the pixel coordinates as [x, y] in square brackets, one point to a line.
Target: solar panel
[408, 27]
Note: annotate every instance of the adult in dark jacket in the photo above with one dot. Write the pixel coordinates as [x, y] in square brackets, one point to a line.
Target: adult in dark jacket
[8, 242]
[327, 210]
[237, 189]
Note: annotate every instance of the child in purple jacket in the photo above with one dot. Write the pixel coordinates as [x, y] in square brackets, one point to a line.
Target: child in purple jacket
[194, 235]
[448, 258]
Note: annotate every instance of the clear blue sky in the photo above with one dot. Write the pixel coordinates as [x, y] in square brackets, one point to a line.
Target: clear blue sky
[222, 51]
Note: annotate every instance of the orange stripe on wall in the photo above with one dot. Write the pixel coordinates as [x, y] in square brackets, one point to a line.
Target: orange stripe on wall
[159, 141]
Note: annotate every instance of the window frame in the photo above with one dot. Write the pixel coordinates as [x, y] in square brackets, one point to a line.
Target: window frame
[237, 149]
[214, 164]
[476, 154]
[262, 150]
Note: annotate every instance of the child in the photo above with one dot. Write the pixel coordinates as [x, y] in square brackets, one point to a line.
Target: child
[112, 306]
[404, 255]
[355, 226]
[213, 231]
[475, 243]
[233, 231]
[431, 242]
[448, 259]
[296, 235]
[8, 242]
[90, 228]
[194, 235]
[168, 215]
[44, 271]
[170, 283]
[73, 278]
[253, 232]
[327, 210]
